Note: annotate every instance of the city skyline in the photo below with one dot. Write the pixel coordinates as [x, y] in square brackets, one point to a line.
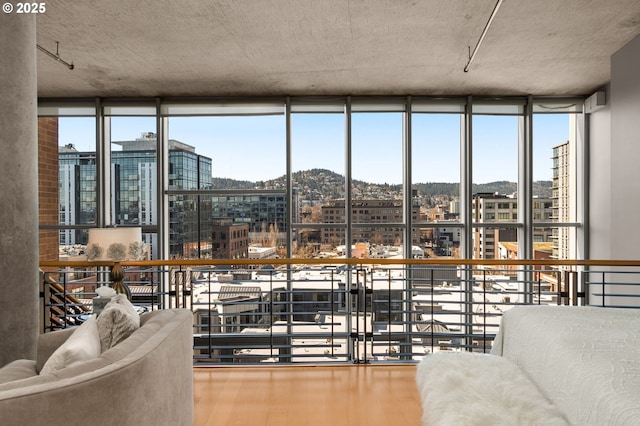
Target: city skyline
[318, 143]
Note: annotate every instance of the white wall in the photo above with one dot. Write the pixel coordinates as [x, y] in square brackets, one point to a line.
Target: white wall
[615, 162]
[625, 152]
[615, 166]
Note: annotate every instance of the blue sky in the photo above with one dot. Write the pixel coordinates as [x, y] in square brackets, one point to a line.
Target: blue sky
[253, 148]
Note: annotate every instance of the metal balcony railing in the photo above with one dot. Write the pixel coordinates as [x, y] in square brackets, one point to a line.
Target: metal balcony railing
[339, 310]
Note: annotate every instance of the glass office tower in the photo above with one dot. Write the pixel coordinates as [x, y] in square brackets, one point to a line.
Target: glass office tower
[134, 198]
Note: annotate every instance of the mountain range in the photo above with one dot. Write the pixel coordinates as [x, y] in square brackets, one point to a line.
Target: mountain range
[322, 185]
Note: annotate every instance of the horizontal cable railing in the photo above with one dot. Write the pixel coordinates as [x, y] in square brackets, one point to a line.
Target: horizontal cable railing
[338, 310]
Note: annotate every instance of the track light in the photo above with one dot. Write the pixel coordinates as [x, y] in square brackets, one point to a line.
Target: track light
[484, 32]
[56, 55]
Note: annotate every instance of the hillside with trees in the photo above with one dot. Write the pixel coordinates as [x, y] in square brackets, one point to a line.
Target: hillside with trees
[320, 185]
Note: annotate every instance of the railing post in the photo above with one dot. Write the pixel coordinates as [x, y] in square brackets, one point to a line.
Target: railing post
[559, 293]
[42, 303]
[585, 287]
[466, 288]
[574, 286]
[271, 314]
[484, 310]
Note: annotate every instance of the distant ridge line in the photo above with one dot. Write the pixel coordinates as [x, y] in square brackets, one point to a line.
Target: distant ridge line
[331, 185]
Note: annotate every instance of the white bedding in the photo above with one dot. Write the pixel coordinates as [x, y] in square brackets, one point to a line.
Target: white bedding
[473, 389]
[584, 359]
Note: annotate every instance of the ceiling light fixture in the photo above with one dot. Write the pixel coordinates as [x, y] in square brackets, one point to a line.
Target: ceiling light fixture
[484, 32]
[56, 55]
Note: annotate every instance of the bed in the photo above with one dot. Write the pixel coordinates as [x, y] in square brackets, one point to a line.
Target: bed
[586, 360]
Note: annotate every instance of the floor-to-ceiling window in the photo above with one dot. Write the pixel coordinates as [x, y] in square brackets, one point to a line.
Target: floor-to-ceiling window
[557, 152]
[131, 144]
[227, 177]
[234, 155]
[377, 209]
[435, 175]
[318, 164]
[496, 135]
[68, 150]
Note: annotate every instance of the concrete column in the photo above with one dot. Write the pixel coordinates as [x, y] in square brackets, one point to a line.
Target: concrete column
[19, 314]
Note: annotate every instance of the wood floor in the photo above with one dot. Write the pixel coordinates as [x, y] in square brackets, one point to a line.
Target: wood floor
[307, 395]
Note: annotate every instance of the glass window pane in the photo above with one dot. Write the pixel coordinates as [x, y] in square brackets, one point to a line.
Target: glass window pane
[264, 213]
[246, 152]
[495, 243]
[77, 185]
[554, 144]
[134, 174]
[377, 242]
[386, 236]
[441, 241]
[550, 151]
[495, 154]
[318, 164]
[67, 184]
[78, 133]
[376, 156]
[240, 148]
[559, 240]
[307, 243]
[435, 165]
[192, 231]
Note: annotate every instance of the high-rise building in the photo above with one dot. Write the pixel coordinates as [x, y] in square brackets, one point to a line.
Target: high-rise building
[77, 192]
[503, 209]
[561, 200]
[264, 213]
[134, 191]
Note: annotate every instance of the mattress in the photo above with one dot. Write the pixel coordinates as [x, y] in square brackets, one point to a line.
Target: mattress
[584, 359]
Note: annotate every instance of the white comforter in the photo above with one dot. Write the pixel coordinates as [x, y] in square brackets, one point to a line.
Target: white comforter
[584, 359]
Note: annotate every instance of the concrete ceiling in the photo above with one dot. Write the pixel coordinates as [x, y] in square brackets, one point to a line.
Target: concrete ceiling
[123, 48]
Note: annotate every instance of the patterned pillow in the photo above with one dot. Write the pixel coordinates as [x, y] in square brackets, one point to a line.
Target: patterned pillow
[117, 321]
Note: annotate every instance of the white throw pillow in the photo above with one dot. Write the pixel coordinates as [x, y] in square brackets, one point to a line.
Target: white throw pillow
[117, 321]
[82, 345]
